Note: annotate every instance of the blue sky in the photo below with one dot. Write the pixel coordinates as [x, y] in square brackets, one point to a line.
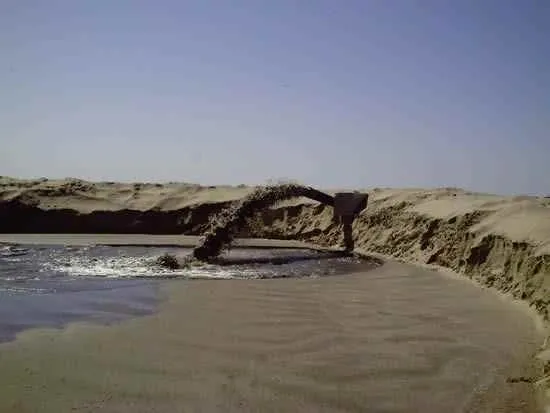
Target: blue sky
[397, 93]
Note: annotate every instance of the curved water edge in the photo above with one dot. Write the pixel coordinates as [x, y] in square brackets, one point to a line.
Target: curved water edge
[396, 339]
[35, 262]
[50, 286]
[538, 357]
[110, 284]
[225, 225]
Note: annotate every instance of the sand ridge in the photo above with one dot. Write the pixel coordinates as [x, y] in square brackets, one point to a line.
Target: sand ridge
[395, 338]
[501, 241]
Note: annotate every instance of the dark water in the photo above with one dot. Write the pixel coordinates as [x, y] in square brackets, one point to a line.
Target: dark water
[49, 286]
[394, 339]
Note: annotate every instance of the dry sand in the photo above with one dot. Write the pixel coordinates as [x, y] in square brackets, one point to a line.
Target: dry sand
[500, 242]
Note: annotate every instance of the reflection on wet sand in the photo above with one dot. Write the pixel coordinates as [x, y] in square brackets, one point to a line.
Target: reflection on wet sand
[393, 339]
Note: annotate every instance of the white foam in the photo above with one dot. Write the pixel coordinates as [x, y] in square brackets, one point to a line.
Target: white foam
[22, 290]
[134, 267]
[12, 251]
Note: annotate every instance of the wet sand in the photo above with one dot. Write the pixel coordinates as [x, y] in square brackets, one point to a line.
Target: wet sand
[52, 285]
[394, 339]
[143, 240]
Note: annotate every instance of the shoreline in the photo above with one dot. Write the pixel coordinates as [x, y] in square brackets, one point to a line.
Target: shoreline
[94, 298]
[538, 359]
[499, 242]
[541, 324]
[56, 348]
[142, 240]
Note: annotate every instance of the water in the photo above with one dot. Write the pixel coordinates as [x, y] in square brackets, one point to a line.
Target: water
[46, 285]
[329, 337]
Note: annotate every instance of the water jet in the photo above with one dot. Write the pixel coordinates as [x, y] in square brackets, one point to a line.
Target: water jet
[347, 205]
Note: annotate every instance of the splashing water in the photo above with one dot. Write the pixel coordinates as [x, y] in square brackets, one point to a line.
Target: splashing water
[54, 285]
[226, 224]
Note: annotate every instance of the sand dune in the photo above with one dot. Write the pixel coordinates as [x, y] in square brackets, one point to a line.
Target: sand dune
[395, 338]
[502, 242]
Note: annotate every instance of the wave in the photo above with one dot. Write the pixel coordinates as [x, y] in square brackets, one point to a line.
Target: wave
[147, 268]
[12, 290]
[140, 267]
[72, 263]
[8, 251]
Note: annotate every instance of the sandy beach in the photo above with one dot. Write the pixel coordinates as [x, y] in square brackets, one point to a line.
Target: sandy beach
[399, 338]
[392, 339]
[500, 241]
[275, 206]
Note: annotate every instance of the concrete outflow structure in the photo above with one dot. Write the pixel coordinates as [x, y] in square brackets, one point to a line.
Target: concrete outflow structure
[347, 205]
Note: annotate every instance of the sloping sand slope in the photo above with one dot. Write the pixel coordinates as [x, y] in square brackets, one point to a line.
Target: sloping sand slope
[503, 242]
[394, 338]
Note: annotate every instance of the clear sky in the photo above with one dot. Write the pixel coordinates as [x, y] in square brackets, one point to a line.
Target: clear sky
[345, 93]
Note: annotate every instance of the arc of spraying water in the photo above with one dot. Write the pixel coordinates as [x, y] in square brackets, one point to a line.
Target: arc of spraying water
[227, 223]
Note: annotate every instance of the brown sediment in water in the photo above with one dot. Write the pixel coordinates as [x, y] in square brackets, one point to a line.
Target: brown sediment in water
[395, 338]
[501, 242]
[226, 225]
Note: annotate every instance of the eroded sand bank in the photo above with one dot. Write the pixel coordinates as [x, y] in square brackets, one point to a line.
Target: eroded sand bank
[502, 242]
[394, 339]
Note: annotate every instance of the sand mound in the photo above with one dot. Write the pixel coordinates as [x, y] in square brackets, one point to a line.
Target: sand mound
[502, 242]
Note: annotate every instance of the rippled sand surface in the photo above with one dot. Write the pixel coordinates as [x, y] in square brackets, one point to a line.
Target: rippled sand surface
[52, 285]
[393, 339]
